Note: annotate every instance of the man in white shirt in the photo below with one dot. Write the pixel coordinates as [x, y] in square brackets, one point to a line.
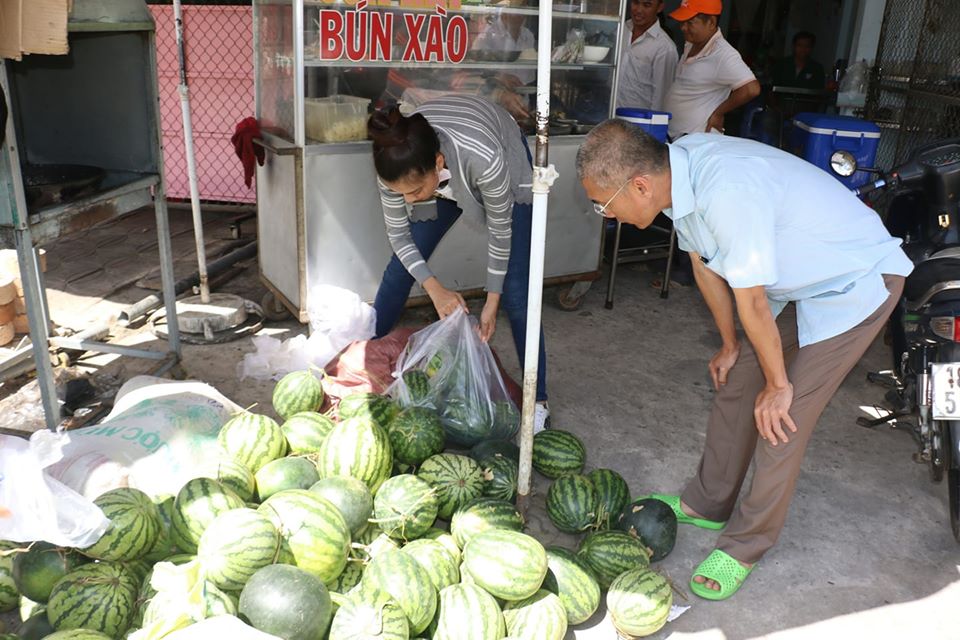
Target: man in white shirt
[712, 79]
[509, 33]
[648, 61]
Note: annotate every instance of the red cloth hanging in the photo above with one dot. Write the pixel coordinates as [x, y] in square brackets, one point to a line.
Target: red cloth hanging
[247, 151]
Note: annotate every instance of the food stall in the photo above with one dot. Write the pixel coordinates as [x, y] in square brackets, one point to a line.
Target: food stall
[320, 68]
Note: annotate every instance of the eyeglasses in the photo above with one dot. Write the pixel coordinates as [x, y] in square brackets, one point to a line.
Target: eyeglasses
[601, 209]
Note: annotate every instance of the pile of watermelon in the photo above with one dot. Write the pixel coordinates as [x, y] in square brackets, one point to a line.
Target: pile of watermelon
[366, 522]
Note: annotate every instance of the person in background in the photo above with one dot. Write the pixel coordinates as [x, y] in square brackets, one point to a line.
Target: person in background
[648, 61]
[712, 79]
[508, 32]
[799, 70]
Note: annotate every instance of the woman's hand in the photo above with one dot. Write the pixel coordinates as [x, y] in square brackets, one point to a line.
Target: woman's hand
[488, 316]
[444, 300]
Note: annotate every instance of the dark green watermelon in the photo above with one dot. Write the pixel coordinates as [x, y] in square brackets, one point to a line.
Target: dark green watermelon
[612, 495]
[506, 420]
[654, 522]
[286, 601]
[466, 421]
[486, 448]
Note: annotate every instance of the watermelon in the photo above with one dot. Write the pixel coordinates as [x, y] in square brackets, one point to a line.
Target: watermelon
[405, 507]
[612, 495]
[35, 628]
[415, 435]
[457, 479]
[446, 539]
[486, 448]
[253, 439]
[9, 593]
[370, 406]
[350, 496]
[296, 392]
[654, 522]
[287, 602]
[99, 597]
[435, 560]
[467, 612]
[306, 431]
[349, 578]
[164, 545]
[357, 447]
[75, 634]
[232, 474]
[380, 618]
[539, 617]
[135, 525]
[34, 572]
[507, 564]
[29, 608]
[197, 504]
[139, 568]
[610, 553]
[235, 545]
[416, 388]
[216, 603]
[466, 421]
[639, 602]
[558, 453]
[499, 477]
[403, 579]
[373, 542]
[574, 582]
[506, 420]
[285, 473]
[147, 592]
[483, 514]
[572, 503]
[314, 536]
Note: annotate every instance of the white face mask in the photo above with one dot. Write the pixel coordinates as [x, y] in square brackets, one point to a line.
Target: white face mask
[444, 191]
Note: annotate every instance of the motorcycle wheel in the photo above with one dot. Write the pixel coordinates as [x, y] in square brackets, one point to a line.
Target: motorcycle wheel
[952, 464]
[938, 452]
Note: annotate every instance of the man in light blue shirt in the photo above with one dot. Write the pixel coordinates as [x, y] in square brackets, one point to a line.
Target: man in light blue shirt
[813, 276]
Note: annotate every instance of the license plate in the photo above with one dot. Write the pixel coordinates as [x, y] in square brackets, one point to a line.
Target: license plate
[945, 385]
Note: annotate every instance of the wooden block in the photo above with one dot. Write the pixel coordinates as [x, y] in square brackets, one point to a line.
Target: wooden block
[8, 290]
[9, 263]
[20, 305]
[7, 333]
[21, 324]
[8, 312]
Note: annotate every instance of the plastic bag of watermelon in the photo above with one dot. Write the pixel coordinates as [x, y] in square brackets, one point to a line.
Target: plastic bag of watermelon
[448, 367]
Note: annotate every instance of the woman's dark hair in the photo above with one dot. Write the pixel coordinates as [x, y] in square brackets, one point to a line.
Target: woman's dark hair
[402, 145]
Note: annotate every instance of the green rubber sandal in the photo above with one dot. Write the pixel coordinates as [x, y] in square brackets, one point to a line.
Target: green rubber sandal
[722, 569]
[674, 503]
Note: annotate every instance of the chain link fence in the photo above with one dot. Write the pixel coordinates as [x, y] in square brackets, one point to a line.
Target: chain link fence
[219, 63]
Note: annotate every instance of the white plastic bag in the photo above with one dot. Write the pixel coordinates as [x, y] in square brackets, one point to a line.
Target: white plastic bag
[464, 383]
[34, 506]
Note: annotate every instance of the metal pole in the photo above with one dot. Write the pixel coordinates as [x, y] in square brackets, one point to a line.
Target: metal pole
[191, 160]
[543, 176]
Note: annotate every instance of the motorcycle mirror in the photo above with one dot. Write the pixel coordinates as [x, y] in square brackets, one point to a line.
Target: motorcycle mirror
[843, 163]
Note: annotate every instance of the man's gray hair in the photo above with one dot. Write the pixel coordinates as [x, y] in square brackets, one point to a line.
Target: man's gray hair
[616, 150]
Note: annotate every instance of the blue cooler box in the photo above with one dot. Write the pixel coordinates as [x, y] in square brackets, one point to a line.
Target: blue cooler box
[816, 136]
[653, 122]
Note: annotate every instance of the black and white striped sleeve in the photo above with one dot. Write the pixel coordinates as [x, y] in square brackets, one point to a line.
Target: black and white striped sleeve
[397, 221]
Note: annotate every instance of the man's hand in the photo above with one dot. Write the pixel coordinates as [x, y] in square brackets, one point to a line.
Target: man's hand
[771, 409]
[444, 300]
[722, 362]
[715, 122]
[488, 316]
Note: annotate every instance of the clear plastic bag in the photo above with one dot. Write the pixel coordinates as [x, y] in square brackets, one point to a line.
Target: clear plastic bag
[448, 367]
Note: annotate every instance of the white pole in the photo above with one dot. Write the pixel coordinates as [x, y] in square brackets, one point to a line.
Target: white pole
[191, 160]
[543, 176]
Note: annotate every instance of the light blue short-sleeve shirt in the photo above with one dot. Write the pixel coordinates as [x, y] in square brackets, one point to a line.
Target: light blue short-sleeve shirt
[758, 216]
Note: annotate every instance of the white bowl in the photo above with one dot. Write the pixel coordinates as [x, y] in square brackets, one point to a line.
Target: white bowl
[594, 54]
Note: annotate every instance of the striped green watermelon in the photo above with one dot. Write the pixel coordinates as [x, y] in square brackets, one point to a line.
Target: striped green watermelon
[486, 448]
[558, 453]
[415, 435]
[377, 619]
[654, 522]
[306, 431]
[314, 536]
[285, 473]
[287, 602]
[348, 579]
[139, 569]
[612, 495]
[9, 594]
[164, 546]
[574, 582]
[465, 577]
[350, 496]
[372, 542]
[371, 406]
[507, 564]
[457, 479]
[235, 545]
[197, 504]
[506, 420]
[499, 477]
[401, 577]
[34, 572]
[435, 560]
[359, 448]
[405, 507]
[416, 388]
[610, 553]
[572, 503]
[253, 439]
[231, 474]
[99, 597]
[74, 634]
[466, 421]
[639, 602]
[539, 617]
[135, 525]
[482, 514]
[446, 539]
[296, 392]
[460, 603]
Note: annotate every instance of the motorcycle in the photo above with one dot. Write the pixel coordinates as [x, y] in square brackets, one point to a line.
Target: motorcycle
[924, 382]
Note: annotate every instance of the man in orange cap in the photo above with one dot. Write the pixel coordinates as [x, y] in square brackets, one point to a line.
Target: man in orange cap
[712, 79]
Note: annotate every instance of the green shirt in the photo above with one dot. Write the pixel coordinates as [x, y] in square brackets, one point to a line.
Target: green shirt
[784, 74]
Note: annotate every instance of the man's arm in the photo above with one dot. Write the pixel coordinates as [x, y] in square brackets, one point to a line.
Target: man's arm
[738, 98]
[716, 294]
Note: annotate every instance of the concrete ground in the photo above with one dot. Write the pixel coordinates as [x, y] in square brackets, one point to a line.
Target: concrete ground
[866, 551]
